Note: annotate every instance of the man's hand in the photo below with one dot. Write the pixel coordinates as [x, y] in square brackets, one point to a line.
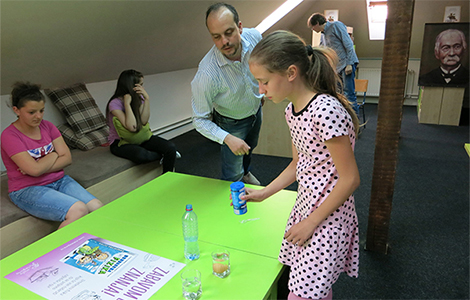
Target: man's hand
[237, 145]
[348, 70]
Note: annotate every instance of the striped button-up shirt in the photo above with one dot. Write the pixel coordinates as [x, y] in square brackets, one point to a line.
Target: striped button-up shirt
[336, 36]
[226, 86]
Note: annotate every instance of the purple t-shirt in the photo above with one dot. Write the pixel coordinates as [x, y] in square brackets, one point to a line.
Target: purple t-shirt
[115, 104]
[14, 142]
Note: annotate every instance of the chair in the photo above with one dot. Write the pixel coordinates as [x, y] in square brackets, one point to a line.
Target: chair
[361, 87]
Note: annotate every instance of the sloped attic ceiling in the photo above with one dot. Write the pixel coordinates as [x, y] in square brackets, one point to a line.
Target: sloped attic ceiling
[57, 43]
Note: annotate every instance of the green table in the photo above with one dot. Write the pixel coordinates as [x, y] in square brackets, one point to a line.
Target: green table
[149, 219]
[160, 204]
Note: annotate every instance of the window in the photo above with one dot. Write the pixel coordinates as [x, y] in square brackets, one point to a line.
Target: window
[377, 12]
[272, 19]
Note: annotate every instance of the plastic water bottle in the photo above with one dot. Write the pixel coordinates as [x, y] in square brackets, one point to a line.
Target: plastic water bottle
[190, 233]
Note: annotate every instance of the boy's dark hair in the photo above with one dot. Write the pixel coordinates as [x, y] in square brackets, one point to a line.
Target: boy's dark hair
[217, 6]
[25, 91]
[317, 18]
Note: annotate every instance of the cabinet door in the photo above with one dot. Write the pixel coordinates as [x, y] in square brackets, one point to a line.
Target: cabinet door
[274, 137]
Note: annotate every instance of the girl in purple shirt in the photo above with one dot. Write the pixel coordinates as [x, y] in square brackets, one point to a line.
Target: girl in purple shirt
[34, 154]
[130, 104]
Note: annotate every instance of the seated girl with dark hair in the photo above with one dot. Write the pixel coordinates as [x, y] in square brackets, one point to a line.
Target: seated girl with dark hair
[127, 114]
[34, 154]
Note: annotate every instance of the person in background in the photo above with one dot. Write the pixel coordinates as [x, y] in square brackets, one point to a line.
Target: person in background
[225, 99]
[127, 115]
[321, 238]
[450, 47]
[335, 35]
[34, 154]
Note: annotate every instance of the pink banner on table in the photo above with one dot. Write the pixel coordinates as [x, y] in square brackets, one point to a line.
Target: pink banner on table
[89, 267]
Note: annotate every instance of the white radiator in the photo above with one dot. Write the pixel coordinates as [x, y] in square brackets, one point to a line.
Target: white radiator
[373, 75]
[412, 88]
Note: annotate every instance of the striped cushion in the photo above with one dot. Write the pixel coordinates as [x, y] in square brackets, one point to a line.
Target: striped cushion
[79, 108]
[88, 141]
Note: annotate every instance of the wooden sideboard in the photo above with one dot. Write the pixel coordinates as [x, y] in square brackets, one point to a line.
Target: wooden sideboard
[440, 105]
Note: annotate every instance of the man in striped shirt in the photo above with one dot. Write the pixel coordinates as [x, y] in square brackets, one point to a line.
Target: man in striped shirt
[225, 96]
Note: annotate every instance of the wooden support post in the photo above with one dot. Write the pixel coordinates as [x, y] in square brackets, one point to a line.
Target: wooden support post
[392, 89]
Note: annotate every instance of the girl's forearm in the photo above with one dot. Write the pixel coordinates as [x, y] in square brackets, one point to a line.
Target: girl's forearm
[60, 163]
[43, 165]
[286, 178]
[340, 193]
[131, 123]
[145, 112]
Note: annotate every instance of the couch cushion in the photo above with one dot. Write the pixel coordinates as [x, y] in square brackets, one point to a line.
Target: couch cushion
[88, 141]
[78, 107]
[128, 137]
[90, 167]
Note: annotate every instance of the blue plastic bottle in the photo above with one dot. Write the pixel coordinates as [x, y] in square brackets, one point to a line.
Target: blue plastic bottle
[238, 189]
[190, 233]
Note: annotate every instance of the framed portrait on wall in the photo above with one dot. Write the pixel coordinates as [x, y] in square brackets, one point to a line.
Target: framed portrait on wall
[331, 15]
[444, 58]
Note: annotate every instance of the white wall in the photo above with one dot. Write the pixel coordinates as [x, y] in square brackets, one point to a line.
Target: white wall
[170, 106]
[170, 96]
[412, 89]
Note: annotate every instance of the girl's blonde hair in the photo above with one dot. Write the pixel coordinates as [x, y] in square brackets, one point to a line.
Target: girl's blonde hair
[281, 49]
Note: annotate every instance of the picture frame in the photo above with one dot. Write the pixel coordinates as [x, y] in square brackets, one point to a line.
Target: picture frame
[452, 14]
[331, 15]
[431, 61]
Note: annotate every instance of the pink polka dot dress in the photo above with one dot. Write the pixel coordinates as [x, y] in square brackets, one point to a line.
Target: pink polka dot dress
[334, 246]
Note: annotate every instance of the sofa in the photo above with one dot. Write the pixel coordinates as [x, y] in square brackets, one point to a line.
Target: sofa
[104, 175]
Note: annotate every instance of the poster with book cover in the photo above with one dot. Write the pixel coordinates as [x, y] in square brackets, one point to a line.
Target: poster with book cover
[89, 267]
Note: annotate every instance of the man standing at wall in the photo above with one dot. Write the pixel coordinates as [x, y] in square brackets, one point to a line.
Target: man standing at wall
[335, 35]
[225, 96]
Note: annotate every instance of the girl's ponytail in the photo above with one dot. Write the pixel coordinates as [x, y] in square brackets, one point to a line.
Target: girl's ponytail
[321, 76]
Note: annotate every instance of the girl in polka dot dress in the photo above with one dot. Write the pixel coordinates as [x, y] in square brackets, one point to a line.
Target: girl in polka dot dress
[321, 238]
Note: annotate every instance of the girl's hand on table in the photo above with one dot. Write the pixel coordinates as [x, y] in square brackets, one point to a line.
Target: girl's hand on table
[252, 195]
